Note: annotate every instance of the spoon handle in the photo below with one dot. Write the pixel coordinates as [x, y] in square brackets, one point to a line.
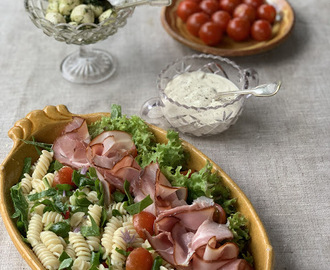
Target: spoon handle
[143, 2]
[265, 90]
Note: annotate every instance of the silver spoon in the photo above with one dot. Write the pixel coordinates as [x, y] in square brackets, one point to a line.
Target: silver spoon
[264, 90]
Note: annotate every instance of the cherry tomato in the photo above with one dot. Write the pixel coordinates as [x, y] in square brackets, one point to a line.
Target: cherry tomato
[63, 176]
[229, 5]
[254, 3]
[266, 12]
[195, 21]
[186, 8]
[246, 11]
[238, 29]
[209, 6]
[144, 221]
[261, 30]
[139, 259]
[210, 33]
[221, 18]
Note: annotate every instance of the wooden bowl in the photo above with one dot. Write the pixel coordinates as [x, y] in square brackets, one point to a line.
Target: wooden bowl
[45, 125]
[176, 28]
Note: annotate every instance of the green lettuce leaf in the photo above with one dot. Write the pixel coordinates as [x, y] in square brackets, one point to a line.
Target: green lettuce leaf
[21, 208]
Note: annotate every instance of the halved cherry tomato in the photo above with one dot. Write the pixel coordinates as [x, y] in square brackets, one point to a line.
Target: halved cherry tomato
[195, 21]
[254, 3]
[63, 176]
[144, 221]
[186, 8]
[209, 6]
[221, 18]
[245, 11]
[229, 5]
[210, 33]
[266, 12]
[139, 259]
[238, 29]
[261, 30]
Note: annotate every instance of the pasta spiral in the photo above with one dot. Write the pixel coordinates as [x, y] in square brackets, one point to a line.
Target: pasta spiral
[80, 246]
[117, 206]
[76, 219]
[92, 196]
[80, 264]
[70, 251]
[95, 212]
[117, 259]
[34, 229]
[52, 242]
[26, 184]
[42, 164]
[51, 217]
[47, 258]
[107, 239]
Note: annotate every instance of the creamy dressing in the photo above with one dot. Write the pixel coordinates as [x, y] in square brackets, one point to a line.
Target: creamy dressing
[199, 89]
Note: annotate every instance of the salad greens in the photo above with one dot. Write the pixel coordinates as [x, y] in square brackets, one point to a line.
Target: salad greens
[172, 159]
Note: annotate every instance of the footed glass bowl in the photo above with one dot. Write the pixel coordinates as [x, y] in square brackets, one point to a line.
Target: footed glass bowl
[86, 65]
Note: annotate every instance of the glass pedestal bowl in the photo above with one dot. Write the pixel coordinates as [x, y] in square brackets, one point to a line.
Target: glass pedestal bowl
[87, 65]
[199, 121]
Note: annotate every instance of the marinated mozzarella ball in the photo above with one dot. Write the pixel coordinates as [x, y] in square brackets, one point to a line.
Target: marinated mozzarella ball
[66, 6]
[55, 17]
[82, 14]
[53, 6]
[106, 14]
[73, 23]
[98, 10]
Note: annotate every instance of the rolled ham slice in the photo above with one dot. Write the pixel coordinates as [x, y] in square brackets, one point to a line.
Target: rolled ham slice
[70, 147]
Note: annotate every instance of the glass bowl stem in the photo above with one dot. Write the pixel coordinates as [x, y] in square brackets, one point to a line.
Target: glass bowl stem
[88, 65]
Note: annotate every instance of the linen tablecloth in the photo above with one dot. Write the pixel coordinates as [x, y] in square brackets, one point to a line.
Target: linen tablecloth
[278, 152]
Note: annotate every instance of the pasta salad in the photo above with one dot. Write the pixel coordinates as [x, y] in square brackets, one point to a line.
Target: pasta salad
[108, 196]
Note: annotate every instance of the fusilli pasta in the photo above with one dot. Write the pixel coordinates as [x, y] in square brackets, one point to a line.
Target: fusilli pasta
[42, 164]
[47, 258]
[34, 229]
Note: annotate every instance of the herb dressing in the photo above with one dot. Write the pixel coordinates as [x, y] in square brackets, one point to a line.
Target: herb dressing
[199, 89]
[195, 110]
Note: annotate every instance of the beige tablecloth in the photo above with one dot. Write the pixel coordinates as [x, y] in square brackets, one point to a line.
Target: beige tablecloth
[278, 152]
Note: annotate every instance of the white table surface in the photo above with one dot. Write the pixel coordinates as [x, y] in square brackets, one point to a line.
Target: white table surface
[278, 152]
